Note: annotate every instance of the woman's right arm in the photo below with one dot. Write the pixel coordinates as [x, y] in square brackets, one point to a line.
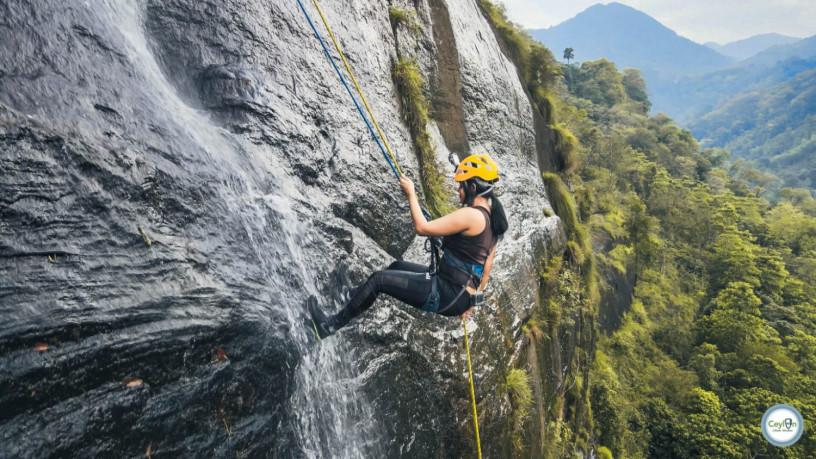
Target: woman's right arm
[453, 223]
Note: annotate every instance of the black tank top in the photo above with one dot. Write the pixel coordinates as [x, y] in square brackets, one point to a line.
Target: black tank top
[471, 249]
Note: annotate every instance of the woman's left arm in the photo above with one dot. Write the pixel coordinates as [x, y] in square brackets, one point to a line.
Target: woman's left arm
[485, 274]
[487, 267]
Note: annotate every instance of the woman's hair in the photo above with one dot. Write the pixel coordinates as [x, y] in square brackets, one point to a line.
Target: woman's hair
[498, 220]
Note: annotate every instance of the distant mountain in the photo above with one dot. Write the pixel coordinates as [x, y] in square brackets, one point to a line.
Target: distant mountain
[776, 127]
[745, 48]
[630, 38]
[693, 96]
[802, 49]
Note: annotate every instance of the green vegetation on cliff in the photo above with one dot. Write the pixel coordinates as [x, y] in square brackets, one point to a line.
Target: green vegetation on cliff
[559, 421]
[402, 16]
[539, 71]
[722, 324]
[415, 108]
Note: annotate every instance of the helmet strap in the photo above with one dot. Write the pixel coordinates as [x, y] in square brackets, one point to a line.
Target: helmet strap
[486, 191]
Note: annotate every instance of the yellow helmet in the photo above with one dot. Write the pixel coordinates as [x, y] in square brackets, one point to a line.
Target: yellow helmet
[480, 166]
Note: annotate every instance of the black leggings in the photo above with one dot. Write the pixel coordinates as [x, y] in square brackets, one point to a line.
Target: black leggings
[408, 283]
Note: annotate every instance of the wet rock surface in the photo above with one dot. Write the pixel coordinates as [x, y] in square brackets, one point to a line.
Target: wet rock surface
[220, 134]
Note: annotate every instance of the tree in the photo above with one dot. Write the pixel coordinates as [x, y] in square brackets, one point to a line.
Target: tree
[739, 296]
[568, 54]
[600, 82]
[790, 227]
[734, 260]
[704, 363]
[543, 69]
[642, 228]
[774, 276]
[803, 348]
[662, 427]
[608, 412]
[709, 160]
[735, 321]
[703, 432]
[635, 87]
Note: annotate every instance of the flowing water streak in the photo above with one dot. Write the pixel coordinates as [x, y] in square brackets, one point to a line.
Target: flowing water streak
[332, 418]
[240, 177]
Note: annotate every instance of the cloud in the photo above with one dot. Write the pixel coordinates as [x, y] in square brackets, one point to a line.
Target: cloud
[538, 14]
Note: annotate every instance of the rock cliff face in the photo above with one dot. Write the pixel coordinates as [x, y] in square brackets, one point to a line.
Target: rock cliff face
[221, 135]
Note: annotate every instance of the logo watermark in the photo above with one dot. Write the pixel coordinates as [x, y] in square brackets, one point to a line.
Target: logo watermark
[782, 425]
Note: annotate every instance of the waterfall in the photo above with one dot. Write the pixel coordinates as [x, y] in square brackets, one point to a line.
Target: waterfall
[331, 416]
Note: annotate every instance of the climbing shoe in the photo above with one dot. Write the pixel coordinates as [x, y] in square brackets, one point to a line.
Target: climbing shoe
[320, 323]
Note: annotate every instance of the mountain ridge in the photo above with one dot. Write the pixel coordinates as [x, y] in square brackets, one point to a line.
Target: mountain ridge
[748, 47]
[695, 95]
[658, 51]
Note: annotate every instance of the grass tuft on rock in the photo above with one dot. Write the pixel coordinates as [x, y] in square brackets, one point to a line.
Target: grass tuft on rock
[565, 143]
[518, 385]
[402, 16]
[562, 202]
[415, 108]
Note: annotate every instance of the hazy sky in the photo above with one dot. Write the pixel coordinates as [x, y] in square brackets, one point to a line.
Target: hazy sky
[721, 21]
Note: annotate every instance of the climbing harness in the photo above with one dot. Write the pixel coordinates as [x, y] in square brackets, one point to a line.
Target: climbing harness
[472, 392]
[473, 273]
[432, 245]
[386, 151]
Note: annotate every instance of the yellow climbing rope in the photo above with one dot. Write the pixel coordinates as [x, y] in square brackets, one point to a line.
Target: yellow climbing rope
[359, 91]
[472, 393]
[394, 161]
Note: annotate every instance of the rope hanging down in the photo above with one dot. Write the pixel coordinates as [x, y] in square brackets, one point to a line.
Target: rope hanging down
[472, 392]
[389, 156]
[392, 162]
[354, 80]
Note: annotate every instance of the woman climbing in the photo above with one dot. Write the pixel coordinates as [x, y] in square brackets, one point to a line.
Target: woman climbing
[469, 238]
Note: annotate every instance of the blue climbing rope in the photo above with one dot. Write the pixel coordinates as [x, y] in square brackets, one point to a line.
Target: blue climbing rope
[354, 99]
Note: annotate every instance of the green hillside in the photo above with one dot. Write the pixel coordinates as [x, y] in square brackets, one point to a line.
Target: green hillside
[722, 324]
[776, 128]
[692, 97]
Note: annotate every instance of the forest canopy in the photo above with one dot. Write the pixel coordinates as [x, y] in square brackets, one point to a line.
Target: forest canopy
[722, 323]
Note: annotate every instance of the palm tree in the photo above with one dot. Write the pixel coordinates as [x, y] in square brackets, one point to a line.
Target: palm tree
[568, 54]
